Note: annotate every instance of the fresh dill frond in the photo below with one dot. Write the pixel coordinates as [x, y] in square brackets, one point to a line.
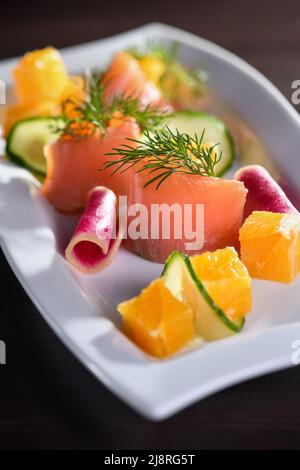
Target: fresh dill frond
[95, 111]
[167, 52]
[178, 78]
[147, 117]
[163, 152]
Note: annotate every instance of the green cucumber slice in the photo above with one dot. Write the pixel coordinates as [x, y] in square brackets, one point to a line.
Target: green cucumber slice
[192, 122]
[26, 140]
[181, 279]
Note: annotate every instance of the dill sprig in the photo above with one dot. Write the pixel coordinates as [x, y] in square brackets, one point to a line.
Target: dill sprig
[147, 117]
[94, 113]
[167, 52]
[178, 76]
[163, 152]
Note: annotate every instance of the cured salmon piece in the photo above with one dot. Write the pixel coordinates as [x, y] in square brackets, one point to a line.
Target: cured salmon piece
[223, 205]
[73, 166]
[126, 77]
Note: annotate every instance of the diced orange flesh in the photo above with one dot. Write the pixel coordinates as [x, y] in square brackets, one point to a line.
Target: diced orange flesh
[75, 90]
[73, 166]
[40, 75]
[157, 322]
[226, 279]
[153, 68]
[42, 85]
[270, 245]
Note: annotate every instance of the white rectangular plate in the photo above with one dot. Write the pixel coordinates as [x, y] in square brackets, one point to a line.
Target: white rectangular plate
[82, 310]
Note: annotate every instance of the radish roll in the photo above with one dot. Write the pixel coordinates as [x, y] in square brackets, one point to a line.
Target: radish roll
[96, 239]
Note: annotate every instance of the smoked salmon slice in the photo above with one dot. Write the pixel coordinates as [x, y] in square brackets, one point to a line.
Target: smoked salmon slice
[73, 166]
[222, 202]
[125, 77]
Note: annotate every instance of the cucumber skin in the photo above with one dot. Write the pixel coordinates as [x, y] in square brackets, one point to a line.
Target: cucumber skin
[211, 117]
[232, 147]
[15, 158]
[236, 327]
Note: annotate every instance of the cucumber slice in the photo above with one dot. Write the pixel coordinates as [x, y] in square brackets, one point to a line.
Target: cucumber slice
[181, 279]
[192, 122]
[26, 140]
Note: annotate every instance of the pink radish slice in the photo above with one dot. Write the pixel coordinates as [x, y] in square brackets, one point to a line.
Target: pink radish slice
[96, 239]
[264, 194]
[291, 192]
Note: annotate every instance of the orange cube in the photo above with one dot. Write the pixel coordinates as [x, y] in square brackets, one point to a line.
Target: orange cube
[42, 85]
[40, 75]
[270, 245]
[226, 280]
[158, 322]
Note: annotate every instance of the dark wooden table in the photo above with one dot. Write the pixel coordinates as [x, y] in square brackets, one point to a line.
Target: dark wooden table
[47, 399]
